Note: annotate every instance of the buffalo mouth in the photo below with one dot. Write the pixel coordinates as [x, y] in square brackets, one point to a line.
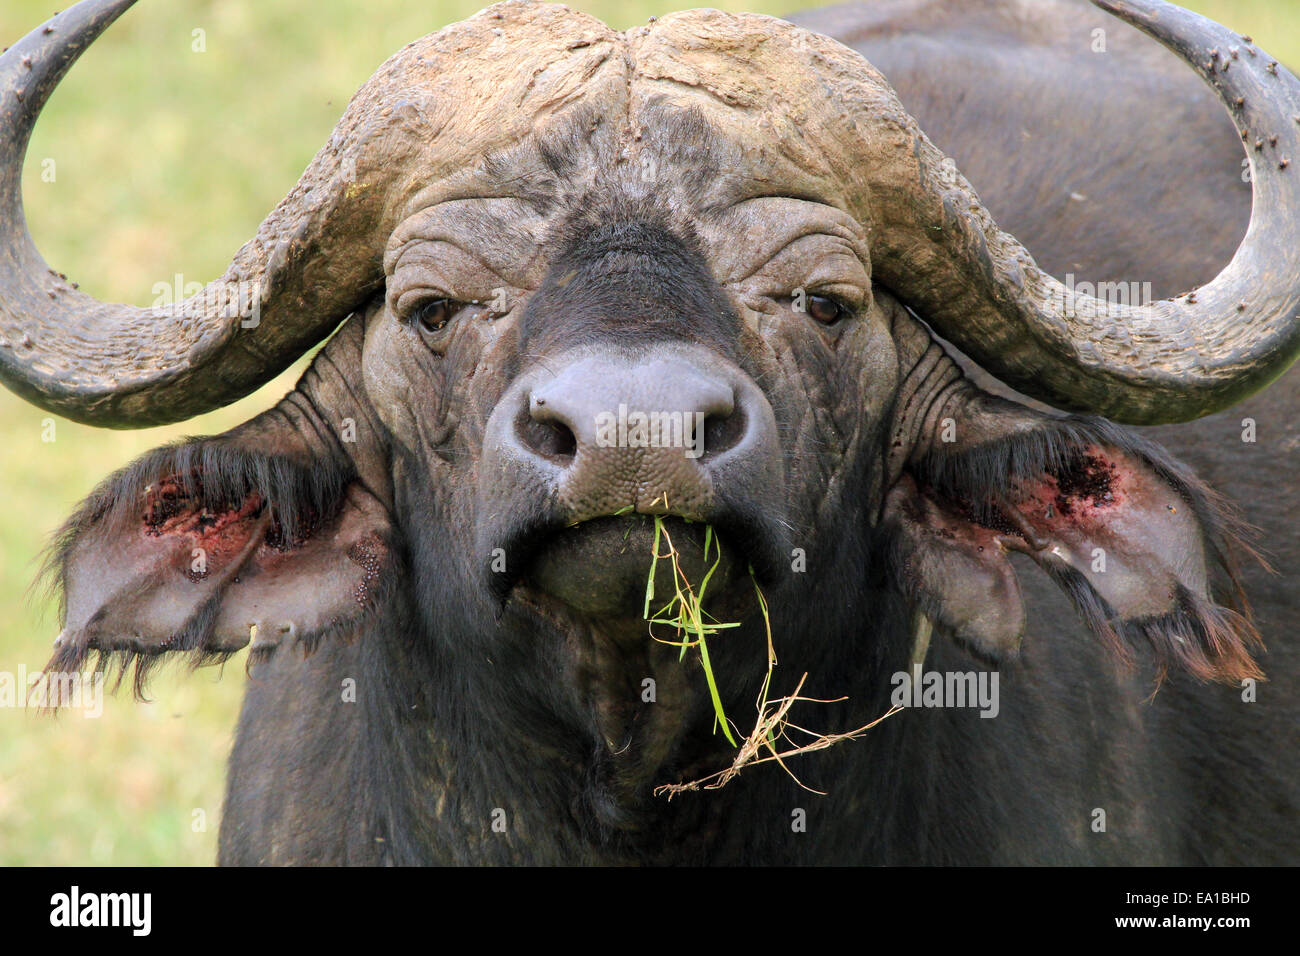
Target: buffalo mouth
[590, 582]
[586, 584]
[601, 568]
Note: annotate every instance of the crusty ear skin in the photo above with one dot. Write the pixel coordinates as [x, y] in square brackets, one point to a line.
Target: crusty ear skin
[204, 546]
[1128, 533]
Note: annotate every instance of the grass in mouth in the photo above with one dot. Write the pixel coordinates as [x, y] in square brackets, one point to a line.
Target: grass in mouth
[693, 627]
[685, 612]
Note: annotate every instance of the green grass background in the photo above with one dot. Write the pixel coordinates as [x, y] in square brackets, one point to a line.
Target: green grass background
[166, 161]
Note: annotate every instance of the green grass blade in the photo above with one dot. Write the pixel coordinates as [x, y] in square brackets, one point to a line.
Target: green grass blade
[713, 693]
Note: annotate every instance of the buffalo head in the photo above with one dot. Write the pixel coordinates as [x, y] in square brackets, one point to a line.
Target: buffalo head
[576, 277]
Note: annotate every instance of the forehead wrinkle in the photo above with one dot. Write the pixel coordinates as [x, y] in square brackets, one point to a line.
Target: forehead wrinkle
[753, 233]
[516, 170]
[487, 228]
[552, 161]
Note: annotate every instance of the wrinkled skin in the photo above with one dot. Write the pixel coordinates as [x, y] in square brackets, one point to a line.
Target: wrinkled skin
[444, 695]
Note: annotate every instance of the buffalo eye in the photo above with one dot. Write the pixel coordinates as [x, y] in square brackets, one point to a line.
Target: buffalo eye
[433, 315]
[825, 309]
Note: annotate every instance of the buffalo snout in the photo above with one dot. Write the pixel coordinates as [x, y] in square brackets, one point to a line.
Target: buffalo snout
[640, 432]
[671, 429]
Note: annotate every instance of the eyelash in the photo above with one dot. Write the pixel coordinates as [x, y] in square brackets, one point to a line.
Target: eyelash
[842, 309]
[444, 308]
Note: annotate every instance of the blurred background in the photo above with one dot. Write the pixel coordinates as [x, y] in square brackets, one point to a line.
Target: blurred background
[170, 140]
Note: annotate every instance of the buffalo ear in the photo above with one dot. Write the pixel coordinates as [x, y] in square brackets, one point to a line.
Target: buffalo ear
[1130, 535]
[204, 546]
[955, 571]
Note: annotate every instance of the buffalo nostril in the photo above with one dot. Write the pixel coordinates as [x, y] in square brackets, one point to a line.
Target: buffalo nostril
[722, 432]
[545, 433]
[665, 406]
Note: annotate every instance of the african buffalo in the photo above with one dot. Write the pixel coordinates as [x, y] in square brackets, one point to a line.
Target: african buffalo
[527, 224]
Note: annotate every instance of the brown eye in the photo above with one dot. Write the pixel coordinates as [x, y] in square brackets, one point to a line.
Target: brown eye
[433, 315]
[825, 309]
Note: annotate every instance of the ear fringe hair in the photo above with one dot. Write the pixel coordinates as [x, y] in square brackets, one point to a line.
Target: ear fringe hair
[1210, 642]
[136, 666]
